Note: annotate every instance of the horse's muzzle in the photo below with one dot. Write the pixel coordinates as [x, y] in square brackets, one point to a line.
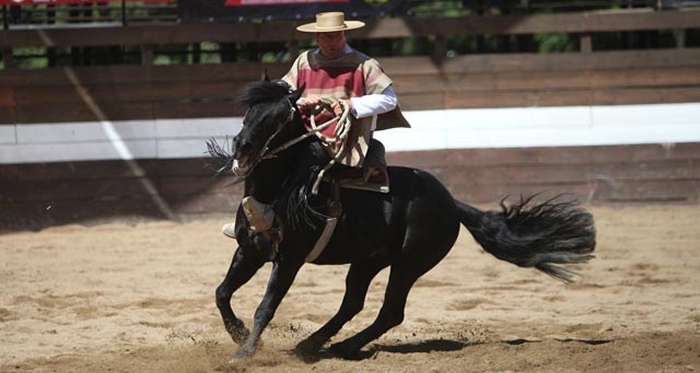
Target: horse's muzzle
[242, 167]
[236, 168]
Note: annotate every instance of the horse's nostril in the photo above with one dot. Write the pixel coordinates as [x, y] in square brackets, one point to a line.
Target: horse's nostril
[236, 145]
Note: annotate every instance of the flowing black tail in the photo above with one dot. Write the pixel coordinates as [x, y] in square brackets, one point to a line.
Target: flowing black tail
[530, 234]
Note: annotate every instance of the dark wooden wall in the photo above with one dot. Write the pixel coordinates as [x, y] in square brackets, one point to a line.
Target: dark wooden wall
[603, 78]
[40, 195]
[597, 174]
[186, 91]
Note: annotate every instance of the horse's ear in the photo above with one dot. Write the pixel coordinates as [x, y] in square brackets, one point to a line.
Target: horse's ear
[266, 78]
[294, 96]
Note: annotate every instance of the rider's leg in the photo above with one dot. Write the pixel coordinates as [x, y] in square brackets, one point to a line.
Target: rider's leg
[375, 162]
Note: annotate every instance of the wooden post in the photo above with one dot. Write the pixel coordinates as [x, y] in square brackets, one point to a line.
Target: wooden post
[586, 43]
[293, 49]
[5, 16]
[196, 53]
[8, 59]
[123, 15]
[440, 48]
[147, 55]
[680, 38]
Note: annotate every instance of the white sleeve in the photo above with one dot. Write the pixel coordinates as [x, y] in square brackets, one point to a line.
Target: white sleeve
[369, 105]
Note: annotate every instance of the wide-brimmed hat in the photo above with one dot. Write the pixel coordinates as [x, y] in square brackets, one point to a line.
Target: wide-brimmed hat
[330, 22]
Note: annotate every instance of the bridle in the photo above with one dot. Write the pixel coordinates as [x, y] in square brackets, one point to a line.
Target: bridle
[341, 132]
[340, 135]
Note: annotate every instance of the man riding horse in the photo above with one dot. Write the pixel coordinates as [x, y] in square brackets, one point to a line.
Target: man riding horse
[335, 79]
[409, 228]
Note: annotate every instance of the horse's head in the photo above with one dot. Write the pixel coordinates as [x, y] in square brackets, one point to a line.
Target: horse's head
[271, 106]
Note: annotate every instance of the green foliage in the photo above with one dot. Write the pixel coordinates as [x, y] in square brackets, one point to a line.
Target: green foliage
[412, 46]
[210, 53]
[558, 42]
[30, 58]
[437, 8]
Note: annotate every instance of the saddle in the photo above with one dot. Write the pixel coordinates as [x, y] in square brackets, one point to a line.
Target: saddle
[334, 133]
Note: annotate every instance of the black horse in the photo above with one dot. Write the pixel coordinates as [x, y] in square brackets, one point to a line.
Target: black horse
[409, 229]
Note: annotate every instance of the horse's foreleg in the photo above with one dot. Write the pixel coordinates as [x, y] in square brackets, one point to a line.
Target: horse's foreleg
[281, 278]
[357, 282]
[243, 267]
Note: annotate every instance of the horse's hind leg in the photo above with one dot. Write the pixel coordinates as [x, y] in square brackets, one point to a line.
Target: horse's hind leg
[357, 282]
[401, 280]
[243, 267]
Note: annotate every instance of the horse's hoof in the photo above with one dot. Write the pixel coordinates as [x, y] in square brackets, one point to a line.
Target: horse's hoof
[242, 353]
[238, 332]
[240, 335]
[344, 351]
[308, 346]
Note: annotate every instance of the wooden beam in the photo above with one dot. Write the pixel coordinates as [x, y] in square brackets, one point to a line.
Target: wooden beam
[541, 62]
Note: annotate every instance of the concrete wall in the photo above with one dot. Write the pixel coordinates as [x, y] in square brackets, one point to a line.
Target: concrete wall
[432, 130]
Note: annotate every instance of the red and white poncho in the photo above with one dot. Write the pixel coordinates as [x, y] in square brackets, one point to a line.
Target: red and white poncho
[353, 74]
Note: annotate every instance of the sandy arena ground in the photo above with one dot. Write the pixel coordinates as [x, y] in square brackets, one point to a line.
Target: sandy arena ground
[123, 298]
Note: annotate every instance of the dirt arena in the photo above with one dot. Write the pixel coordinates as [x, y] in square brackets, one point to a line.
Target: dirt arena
[122, 298]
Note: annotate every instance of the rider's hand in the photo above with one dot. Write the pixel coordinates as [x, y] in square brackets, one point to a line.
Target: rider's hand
[309, 102]
[338, 108]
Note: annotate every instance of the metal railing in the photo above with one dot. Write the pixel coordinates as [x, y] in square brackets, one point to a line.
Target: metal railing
[123, 13]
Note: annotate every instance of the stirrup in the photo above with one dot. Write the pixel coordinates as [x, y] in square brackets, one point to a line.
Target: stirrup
[372, 180]
[260, 216]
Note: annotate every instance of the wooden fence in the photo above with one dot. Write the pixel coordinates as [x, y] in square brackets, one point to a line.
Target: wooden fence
[33, 196]
[432, 82]
[38, 195]
[189, 91]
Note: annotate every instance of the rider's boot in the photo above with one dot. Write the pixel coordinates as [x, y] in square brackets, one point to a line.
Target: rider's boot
[229, 230]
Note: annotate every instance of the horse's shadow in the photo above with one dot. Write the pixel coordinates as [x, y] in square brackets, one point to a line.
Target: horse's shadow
[431, 345]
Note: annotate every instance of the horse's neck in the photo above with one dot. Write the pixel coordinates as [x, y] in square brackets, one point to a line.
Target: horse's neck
[268, 178]
[265, 183]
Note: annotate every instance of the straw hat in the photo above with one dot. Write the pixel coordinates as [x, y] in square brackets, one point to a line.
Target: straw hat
[330, 22]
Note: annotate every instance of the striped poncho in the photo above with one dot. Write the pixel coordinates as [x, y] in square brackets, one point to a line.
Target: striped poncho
[353, 74]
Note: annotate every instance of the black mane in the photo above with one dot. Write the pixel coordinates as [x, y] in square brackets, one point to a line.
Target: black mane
[262, 92]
